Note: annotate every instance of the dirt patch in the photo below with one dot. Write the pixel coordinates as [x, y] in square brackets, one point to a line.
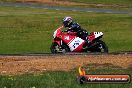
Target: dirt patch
[30, 64]
[53, 2]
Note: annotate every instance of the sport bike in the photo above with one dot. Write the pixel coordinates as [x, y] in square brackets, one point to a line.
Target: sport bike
[69, 42]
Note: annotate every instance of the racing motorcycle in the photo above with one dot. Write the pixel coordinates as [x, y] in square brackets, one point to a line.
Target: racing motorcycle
[69, 42]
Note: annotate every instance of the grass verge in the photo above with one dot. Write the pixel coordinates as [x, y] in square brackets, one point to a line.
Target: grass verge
[58, 80]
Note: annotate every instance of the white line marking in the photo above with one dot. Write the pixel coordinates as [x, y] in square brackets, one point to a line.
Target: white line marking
[57, 9]
[108, 12]
[89, 11]
[74, 10]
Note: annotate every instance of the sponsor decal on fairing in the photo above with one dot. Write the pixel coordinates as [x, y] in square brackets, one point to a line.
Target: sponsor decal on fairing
[75, 43]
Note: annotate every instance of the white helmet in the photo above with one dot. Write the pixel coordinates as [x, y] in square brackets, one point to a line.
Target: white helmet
[67, 21]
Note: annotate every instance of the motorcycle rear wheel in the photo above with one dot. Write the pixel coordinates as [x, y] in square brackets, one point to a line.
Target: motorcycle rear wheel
[102, 47]
[99, 46]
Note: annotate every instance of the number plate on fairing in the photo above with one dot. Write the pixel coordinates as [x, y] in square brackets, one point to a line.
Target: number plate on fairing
[75, 43]
[98, 34]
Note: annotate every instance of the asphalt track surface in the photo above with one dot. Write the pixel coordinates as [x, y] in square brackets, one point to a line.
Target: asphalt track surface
[67, 9]
[69, 54]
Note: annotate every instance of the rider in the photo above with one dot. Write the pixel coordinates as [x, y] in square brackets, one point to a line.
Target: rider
[75, 27]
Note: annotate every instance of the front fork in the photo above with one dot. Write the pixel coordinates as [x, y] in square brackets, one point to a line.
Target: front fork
[59, 47]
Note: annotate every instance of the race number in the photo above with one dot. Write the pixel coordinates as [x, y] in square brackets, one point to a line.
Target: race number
[75, 43]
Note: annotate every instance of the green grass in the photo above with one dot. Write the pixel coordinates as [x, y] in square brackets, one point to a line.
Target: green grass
[58, 79]
[29, 30]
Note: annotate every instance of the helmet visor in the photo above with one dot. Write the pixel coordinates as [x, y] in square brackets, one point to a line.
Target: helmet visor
[66, 23]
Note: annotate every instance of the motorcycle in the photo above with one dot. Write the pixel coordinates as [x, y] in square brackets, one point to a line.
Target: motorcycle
[69, 42]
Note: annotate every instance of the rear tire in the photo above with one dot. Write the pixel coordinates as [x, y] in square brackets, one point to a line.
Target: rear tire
[99, 46]
[102, 47]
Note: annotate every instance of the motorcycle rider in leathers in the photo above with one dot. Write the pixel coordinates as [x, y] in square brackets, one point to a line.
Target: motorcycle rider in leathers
[75, 27]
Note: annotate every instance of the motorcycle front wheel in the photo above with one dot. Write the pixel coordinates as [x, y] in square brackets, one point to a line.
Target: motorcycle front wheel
[55, 48]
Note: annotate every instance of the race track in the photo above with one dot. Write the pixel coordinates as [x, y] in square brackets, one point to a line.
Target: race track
[67, 9]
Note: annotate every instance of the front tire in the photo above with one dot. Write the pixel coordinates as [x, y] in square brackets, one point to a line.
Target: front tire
[55, 48]
[65, 49]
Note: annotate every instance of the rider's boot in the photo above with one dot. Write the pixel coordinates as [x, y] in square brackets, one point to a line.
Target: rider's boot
[88, 40]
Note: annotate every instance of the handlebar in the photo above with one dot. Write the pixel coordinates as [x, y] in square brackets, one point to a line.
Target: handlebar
[60, 27]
